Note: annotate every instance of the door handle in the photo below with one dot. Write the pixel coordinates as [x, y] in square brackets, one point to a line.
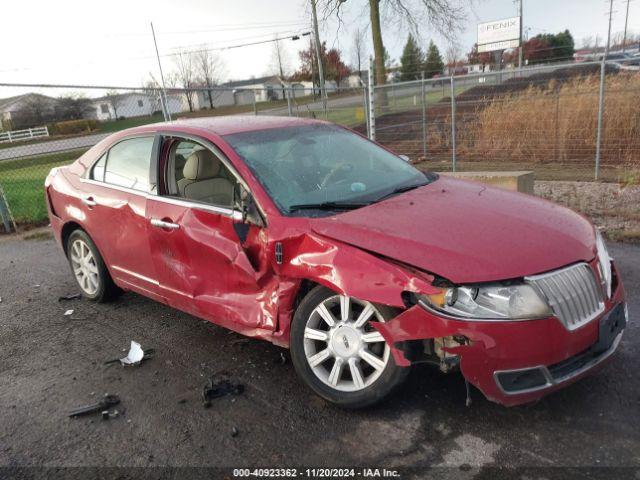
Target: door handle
[89, 202]
[156, 222]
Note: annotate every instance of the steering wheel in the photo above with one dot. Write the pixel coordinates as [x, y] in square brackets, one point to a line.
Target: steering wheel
[334, 171]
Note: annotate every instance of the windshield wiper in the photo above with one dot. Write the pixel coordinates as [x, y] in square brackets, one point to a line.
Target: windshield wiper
[328, 206]
[399, 190]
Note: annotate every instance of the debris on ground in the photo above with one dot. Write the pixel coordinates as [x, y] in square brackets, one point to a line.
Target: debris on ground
[135, 356]
[106, 414]
[234, 432]
[103, 405]
[240, 341]
[68, 313]
[216, 389]
[69, 297]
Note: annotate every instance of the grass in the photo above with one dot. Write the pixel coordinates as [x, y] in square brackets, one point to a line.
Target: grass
[560, 122]
[23, 183]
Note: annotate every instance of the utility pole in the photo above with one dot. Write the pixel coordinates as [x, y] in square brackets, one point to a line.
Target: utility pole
[163, 96]
[626, 23]
[280, 69]
[316, 34]
[606, 50]
[521, 42]
[313, 71]
[601, 100]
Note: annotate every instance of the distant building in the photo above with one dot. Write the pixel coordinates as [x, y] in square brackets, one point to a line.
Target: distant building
[27, 110]
[132, 104]
[357, 79]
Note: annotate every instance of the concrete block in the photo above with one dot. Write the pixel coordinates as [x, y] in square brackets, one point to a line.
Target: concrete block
[516, 181]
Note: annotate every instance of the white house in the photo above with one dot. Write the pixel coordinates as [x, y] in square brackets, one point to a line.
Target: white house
[358, 79]
[27, 110]
[132, 104]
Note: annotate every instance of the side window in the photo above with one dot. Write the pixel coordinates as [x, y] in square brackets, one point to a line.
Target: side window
[98, 169]
[128, 164]
[196, 173]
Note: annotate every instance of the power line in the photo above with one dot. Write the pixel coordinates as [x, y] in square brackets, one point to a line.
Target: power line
[215, 28]
[287, 36]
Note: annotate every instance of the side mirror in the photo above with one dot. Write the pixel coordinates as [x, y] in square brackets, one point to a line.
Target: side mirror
[405, 158]
[245, 209]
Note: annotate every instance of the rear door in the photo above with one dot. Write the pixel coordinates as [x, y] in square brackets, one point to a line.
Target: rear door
[115, 203]
[207, 263]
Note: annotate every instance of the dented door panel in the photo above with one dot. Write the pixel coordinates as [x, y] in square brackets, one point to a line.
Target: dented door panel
[204, 269]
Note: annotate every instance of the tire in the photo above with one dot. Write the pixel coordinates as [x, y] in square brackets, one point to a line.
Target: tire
[88, 268]
[347, 363]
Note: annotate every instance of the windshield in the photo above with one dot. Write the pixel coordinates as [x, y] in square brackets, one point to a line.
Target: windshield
[322, 165]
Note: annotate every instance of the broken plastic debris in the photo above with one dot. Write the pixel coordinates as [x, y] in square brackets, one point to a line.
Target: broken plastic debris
[219, 389]
[135, 355]
[68, 312]
[69, 297]
[147, 354]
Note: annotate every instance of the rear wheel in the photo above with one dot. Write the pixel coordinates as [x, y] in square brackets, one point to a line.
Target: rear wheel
[89, 269]
[339, 354]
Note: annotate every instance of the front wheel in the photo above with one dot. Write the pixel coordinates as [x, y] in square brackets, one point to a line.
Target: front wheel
[339, 354]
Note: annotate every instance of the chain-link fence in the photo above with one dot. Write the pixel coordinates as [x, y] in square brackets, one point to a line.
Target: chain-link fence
[544, 119]
[43, 126]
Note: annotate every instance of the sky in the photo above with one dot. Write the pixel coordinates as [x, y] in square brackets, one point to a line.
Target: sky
[110, 43]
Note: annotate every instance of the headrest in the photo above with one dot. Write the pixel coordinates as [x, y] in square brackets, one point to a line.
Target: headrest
[201, 165]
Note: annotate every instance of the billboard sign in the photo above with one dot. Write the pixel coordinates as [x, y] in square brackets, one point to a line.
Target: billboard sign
[499, 35]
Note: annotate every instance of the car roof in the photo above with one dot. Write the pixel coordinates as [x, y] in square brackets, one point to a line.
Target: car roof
[230, 124]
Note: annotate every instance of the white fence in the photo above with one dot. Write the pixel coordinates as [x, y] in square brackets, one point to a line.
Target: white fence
[27, 134]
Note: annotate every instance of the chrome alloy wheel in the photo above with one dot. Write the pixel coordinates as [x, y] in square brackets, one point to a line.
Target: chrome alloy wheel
[341, 346]
[84, 267]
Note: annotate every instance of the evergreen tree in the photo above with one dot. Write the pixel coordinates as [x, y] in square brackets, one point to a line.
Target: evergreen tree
[411, 61]
[434, 63]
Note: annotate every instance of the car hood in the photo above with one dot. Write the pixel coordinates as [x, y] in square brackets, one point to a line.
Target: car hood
[466, 232]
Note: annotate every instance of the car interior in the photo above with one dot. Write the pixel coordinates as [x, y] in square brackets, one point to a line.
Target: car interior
[196, 173]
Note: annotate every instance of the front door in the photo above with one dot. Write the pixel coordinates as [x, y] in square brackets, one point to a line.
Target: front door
[202, 266]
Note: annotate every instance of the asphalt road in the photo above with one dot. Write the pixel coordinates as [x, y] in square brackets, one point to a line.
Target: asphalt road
[50, 363]
[52, 146]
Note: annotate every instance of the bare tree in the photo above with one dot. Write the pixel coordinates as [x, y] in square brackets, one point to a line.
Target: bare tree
[587, 42]
[186, 74]
[153, 88]
[279, 62]
[74, 106]
[36, 110]
[359, 49]
[446, 17]
[210, 68]
[452, 54]
[115, 100]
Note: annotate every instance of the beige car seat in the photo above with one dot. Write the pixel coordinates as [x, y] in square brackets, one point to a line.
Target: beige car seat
[202, 182]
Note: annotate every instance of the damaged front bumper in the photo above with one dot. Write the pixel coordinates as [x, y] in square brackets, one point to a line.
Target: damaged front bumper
[514, 362]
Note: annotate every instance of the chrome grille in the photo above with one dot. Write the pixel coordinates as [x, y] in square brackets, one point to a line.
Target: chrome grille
[573, 293]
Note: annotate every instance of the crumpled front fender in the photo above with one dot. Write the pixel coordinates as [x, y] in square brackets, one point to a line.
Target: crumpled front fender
[346, 270]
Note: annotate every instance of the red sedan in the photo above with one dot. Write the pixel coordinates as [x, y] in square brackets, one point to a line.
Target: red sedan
[310, 236]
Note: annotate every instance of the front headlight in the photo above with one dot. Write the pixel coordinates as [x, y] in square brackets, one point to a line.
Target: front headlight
[517, 301]
[604, 263]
